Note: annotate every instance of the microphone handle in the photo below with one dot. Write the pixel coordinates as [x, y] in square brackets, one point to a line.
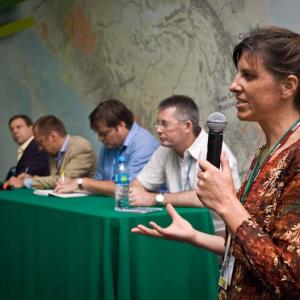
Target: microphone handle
[214, 148]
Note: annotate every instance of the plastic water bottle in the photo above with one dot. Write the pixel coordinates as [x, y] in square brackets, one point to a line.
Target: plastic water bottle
[121, 184]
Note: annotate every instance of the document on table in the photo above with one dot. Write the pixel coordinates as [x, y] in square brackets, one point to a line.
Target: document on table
[65, 195]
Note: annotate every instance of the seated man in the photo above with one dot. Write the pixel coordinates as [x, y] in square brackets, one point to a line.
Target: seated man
[174, 163]
[30, 158]
[115, 126]
[71, 156]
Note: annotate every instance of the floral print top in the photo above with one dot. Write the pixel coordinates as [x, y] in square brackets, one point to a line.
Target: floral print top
[267, 246]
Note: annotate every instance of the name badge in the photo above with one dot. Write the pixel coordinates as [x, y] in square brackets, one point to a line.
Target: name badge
[227, 266]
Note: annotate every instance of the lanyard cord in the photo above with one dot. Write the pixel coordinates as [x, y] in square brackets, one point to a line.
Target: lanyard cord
[255, 170]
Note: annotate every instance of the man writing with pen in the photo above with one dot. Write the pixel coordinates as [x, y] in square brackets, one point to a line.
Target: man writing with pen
[70, 156]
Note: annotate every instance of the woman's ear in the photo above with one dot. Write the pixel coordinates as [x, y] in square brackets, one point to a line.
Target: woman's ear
[289, 86]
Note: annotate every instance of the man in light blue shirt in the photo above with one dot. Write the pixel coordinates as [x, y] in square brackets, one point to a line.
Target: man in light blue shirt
[137, 148]
[120, 135]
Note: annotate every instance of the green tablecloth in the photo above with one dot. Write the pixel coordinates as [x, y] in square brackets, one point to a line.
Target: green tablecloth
[81, 249]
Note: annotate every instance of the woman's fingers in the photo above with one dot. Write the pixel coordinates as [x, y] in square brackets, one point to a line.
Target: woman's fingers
[204, 165]
[141, 229]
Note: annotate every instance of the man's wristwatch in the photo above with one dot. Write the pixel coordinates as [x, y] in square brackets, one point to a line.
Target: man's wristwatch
[79, 182]
[160, 198]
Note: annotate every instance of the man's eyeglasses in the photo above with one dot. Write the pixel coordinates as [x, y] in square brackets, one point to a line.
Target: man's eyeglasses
[164, 125]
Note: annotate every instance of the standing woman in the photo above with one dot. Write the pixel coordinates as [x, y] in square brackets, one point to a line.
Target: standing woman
[263, 220]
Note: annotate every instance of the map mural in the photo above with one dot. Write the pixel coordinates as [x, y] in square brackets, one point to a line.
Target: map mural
[82, 52]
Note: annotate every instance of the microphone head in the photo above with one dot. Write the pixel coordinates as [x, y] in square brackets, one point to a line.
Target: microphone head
[216, 122]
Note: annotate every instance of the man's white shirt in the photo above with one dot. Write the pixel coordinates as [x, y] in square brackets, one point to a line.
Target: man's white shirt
[180, 174]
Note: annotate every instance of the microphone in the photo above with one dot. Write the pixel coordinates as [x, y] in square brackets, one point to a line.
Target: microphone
[216, 123]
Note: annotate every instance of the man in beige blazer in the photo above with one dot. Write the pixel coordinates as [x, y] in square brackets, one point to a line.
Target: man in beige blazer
[70, 156]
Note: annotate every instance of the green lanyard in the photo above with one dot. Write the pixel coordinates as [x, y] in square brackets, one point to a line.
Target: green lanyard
[258, 164]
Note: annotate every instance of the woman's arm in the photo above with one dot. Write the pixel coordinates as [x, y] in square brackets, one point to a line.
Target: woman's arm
[181, 230]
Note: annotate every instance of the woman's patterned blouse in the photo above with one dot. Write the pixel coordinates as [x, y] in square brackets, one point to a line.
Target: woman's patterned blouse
[267, 246]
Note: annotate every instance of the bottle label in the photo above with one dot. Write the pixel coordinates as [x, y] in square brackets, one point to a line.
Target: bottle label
[122, 178]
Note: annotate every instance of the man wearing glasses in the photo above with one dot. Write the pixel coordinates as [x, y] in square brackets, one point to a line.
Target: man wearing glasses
[174, 163]
[121, 135]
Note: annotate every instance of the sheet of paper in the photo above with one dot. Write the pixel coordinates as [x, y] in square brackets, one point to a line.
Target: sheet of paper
[66, 195]
[42, 192]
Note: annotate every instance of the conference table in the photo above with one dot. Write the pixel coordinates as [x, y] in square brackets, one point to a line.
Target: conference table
[81, 249]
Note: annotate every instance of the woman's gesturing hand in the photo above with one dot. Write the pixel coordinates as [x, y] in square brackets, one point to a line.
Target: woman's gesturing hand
[180, 229]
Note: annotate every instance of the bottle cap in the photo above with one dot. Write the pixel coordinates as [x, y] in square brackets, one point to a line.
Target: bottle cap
[121, 158]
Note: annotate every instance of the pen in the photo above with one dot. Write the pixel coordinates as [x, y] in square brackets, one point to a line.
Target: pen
[26, 172]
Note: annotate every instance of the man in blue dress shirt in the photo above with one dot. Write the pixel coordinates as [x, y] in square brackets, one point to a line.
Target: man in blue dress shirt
[114, 124]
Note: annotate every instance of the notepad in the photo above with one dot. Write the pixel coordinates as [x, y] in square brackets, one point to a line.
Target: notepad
[53, 194]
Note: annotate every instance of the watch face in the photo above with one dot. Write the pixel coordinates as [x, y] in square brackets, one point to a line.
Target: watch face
[79, 181]
[160, 198]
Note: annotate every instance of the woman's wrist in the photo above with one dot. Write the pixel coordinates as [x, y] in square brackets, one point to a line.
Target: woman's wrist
[192, 239]
[210, 242]
[233, 214]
